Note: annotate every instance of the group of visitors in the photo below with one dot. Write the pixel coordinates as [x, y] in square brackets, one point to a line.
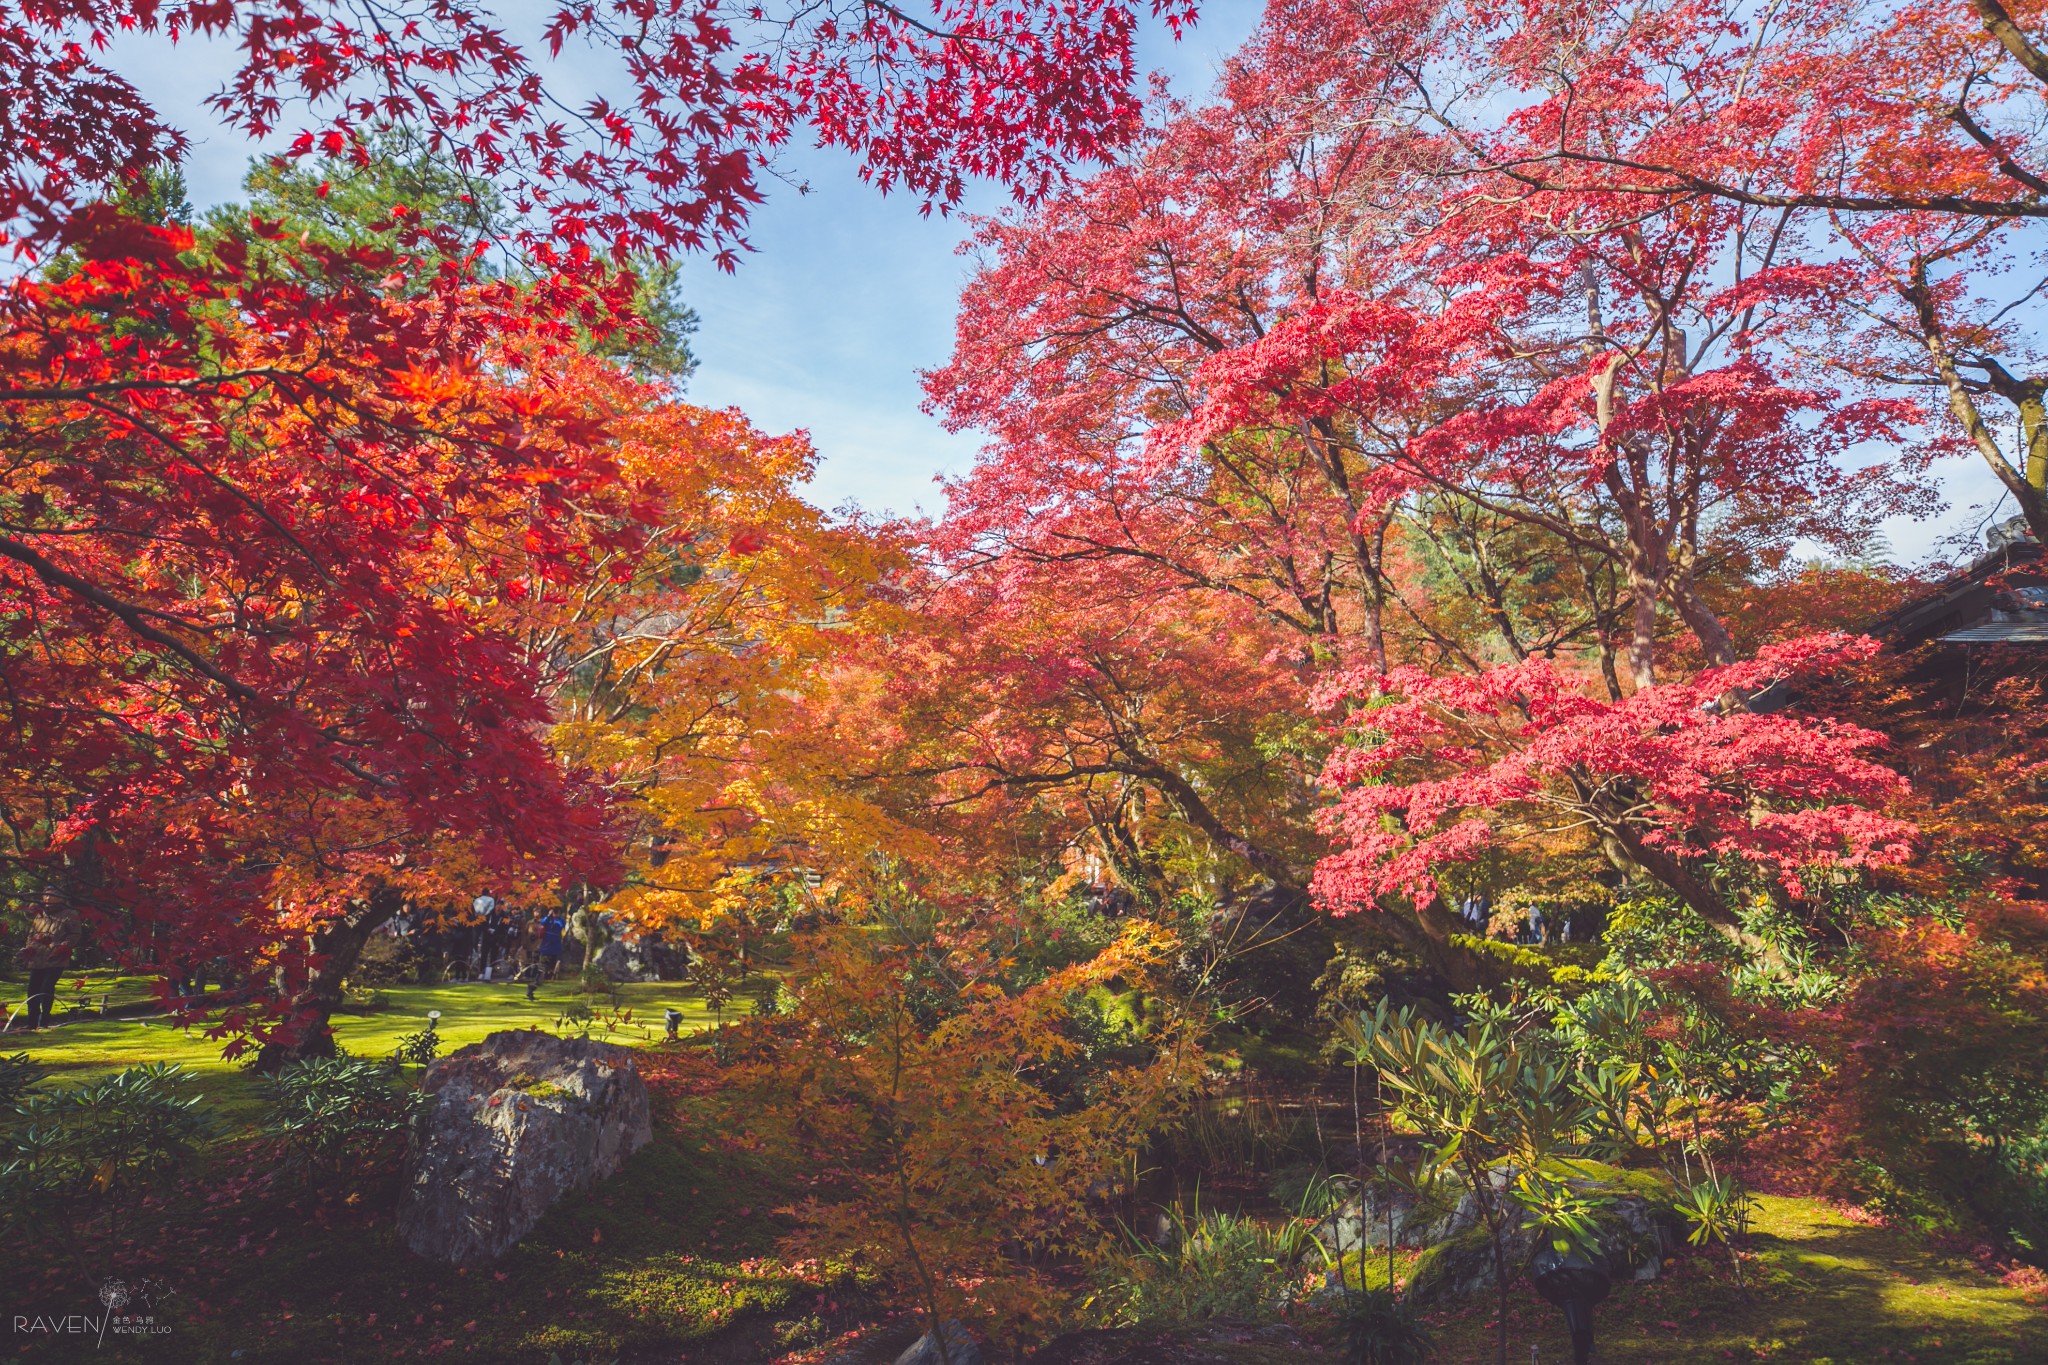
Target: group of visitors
[487, 940]
[1544, 925]
[491, 941]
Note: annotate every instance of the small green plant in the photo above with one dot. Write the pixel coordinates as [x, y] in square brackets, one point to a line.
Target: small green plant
[795, 1334]
[1718, 1208]
[578, 1015]
[718, 982]
[1382, 1328]
[338, 1119]
[418, 1049]
[1206, 1266]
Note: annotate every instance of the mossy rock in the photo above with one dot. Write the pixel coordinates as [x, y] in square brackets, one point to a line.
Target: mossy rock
[1462, 1265]
[1638, 1229]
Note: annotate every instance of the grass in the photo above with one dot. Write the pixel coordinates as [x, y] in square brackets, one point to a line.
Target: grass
[1826, 1290]
[81, 990]
[83, 1048]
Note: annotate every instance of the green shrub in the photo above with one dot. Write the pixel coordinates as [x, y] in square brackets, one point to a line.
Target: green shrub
[418, 1049]
[17, 1075]
[795, 1334]
[2010, 1189]
[89, 1147]
[577, 1015]
[339, 1119]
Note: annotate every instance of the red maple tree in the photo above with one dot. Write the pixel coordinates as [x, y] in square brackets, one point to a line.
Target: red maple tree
[969, 88]
[262, 494]
[1307, 348]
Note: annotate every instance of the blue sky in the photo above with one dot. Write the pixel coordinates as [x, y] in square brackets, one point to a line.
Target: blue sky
[848, 295]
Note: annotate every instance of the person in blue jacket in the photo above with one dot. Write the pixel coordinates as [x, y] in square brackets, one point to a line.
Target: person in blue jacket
[551, 943]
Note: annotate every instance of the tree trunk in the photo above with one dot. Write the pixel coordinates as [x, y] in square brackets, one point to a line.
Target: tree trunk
[1427, 933]
[336, 946]
[1627, 851]
[1706, 627]
[2032, 497]
[1500, 1290]
[1642, 640]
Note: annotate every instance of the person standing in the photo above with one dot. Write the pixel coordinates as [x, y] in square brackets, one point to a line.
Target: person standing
[551, 943]
[51, 936]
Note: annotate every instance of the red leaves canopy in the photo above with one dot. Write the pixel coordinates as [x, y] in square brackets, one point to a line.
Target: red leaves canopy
[1326, 347]
[258, 507]
[1435, 766]
[251, 522]
[975, 87]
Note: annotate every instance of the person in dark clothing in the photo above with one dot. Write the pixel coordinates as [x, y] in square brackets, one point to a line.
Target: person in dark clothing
[51, 937]
[551, 943]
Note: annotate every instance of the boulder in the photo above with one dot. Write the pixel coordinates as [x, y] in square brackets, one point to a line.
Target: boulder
[517, 1121]
[620, 960]
[960, 1348]
[1367, 1221]
[1639, 1225]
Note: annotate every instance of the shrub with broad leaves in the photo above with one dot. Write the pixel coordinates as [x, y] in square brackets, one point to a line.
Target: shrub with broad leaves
[339, 1119]
[73, 1153]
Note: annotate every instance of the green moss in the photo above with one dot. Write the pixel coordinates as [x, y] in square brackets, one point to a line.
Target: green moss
[1824, 1290]
[532, 1085]
[1651, 1186]
[1449, 1263]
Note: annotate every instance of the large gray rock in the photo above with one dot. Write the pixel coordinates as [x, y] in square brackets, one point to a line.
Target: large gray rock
[1365, 1223]
[1638, 1228]
[960, 1348]
[621, 960]
[518, 1121]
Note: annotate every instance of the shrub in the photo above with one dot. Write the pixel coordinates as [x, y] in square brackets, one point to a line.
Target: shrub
[17, 1075]
[339, 1118]
[577, 1014]
[88, 1147]
[1382, 1328]
[795, 1334]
